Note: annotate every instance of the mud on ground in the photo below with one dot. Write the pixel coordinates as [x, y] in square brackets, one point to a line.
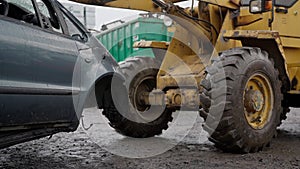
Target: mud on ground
[77, 150]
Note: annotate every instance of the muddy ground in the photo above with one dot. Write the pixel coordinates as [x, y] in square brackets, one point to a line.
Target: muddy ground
[79, 149]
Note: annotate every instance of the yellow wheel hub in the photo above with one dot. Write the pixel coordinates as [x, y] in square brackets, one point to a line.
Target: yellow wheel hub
[258, 101]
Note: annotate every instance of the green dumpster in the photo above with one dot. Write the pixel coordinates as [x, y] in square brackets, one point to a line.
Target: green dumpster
[120, 39]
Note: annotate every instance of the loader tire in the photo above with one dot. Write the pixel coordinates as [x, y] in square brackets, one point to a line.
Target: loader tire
[245, 100]
[140, 74]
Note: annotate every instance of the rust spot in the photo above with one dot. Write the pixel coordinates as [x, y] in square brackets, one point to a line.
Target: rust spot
[236, 33]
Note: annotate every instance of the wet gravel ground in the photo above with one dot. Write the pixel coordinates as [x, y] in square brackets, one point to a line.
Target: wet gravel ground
[79, 150]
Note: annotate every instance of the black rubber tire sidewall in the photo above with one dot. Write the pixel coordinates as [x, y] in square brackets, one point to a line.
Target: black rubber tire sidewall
[141, 66]
[228, 127]
[255, 137]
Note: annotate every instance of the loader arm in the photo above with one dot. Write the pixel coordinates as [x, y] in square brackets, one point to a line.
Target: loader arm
[145, 5]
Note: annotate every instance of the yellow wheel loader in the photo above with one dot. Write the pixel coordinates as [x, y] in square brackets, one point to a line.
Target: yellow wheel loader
[235, 61]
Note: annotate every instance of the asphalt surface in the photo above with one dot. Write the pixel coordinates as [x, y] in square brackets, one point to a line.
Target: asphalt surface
[184, 145]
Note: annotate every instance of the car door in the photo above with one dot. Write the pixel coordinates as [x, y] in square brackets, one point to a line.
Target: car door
[37, 84]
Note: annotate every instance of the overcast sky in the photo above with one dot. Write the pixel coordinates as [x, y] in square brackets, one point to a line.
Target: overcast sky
[106, 14]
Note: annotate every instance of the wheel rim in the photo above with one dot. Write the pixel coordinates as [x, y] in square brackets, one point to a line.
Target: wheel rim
[258, 101]
[146, 113]
[144, 87]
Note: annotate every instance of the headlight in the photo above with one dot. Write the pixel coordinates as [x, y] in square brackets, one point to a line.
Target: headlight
[256, 6]
[260, 6]
[168, 21]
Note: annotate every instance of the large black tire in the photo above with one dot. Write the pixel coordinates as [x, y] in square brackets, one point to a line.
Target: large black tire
[140, 74]
[226, 104]
[285, 111]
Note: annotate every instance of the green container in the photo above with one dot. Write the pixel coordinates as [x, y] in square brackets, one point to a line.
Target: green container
[120, 39]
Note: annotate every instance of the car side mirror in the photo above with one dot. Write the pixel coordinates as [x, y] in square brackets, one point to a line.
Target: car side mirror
[79, 37]
[260, 6]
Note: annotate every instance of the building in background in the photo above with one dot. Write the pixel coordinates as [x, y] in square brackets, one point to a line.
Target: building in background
[93, 17]
[103, 15]
[85, 14]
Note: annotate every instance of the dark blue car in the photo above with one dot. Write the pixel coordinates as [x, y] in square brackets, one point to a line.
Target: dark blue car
[50, 66]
